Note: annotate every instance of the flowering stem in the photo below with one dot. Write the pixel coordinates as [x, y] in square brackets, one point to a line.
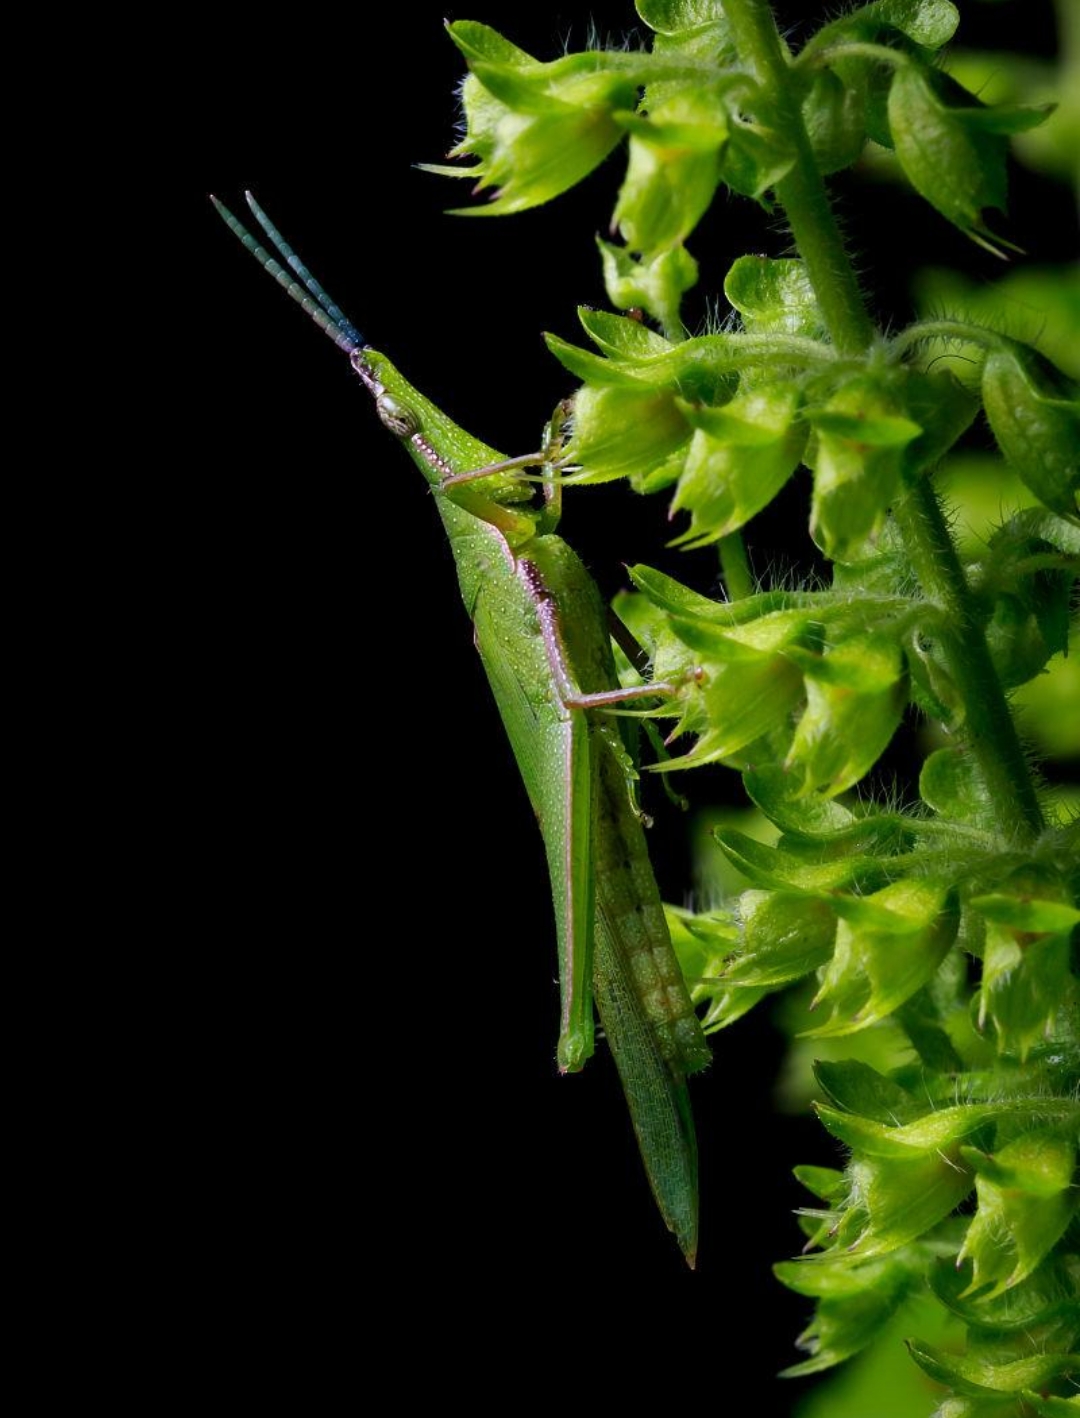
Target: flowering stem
[918, 513]
[802, 192]
[990, 731]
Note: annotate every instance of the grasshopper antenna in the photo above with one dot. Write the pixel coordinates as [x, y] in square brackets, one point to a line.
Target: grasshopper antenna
[310, 296]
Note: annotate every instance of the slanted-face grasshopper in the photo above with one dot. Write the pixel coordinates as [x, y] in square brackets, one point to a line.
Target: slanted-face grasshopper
[540, 628]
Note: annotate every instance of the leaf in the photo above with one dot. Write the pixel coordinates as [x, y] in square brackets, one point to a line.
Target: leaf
[952, 148]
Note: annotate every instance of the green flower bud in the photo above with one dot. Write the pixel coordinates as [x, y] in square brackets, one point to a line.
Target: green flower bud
[856, 693]
[898, 1187]
[741, 455]
[784, 937]
[537, 129]
[857, 465]
[1026, 966]
[673, 170]
[744, 686]
[888, 945]
[1035, 416]
[636, 432]
[656, 285]
[1026, 1200]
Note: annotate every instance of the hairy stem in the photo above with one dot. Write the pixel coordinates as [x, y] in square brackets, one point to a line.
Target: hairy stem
[989, 724]
[926, 536]
[802, 192]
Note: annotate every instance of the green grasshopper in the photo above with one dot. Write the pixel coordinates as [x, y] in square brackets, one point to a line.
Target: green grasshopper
[540, 627]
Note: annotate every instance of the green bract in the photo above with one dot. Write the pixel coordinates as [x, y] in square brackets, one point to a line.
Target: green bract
[1036, 421]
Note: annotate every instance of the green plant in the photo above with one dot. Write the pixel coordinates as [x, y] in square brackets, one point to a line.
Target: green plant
[929, 947]
[944, 931]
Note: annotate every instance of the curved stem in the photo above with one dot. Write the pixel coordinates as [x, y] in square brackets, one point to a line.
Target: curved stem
[990, 730]
[956, 330]
[802, 192]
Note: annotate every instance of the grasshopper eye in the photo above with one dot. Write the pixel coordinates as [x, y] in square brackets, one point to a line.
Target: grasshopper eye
[398, 418]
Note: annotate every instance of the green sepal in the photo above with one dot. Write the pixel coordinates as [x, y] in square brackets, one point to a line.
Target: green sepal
[888, 945]
[854, 1302]
[1026, 1199]
[729, 1004]
[594, 370]
[703, 370]
[745, 685]
[1026, 981]
[1022, 913]
[627, 432]
[855, 1087]
[773, 296]
[673, 169]
[824, 1182]
[981, 1377]
[856, 693]
[702, 943]
[779, 870]
[857, 459]
[903, 1180]
[1046, 1297]
[538, 129]
[1035, 417]
[622, 338]
[820, 827]
[656, 285]
[784, 937]
[739, 458]
[951, 147]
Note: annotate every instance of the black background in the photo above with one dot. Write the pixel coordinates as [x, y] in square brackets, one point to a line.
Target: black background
[376, 1121]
